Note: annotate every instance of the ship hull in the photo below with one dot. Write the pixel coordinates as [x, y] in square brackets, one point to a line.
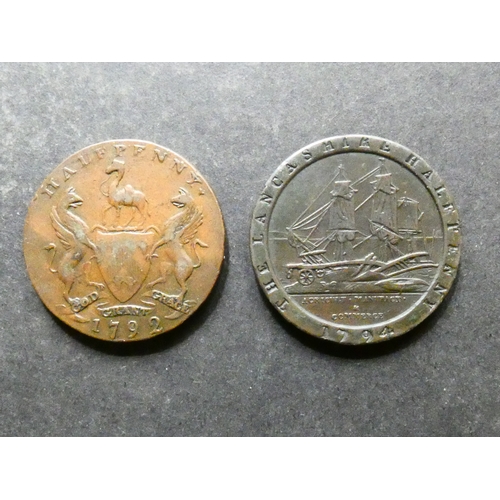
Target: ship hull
[408, 273]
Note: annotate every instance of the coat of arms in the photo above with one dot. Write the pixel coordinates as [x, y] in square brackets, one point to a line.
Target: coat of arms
[112, 261]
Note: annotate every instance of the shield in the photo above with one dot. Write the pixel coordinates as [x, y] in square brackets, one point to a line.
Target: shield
[121, 256]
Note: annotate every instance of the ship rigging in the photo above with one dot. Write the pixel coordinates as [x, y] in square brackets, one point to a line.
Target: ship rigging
[326, 238]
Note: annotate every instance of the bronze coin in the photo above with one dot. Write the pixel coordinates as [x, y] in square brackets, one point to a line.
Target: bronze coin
[355, 239]
[124, 240]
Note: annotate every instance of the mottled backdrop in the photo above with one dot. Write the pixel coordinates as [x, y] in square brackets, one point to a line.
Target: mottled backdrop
[236, 368]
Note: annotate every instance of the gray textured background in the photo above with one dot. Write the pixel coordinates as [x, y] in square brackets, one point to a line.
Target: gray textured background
[236, 368]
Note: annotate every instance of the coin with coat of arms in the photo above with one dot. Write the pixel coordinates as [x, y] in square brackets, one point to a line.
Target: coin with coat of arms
[355, 239]
[124, 240]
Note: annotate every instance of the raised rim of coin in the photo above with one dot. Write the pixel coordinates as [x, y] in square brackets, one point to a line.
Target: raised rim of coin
[333, 330]
[148, 243]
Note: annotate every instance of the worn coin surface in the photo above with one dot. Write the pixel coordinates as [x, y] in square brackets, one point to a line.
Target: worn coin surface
[355, 239]
[124, 240]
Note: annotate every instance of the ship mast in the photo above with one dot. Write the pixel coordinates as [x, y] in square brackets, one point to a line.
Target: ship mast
[341, 223]
[409, 216]
[383, 220]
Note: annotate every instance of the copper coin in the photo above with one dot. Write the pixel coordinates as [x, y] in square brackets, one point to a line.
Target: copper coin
[124, 240]
[355, 239]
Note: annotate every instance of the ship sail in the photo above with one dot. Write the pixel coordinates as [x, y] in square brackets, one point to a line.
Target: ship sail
[383, 221]
[409, 216]
[384, 206]
[331, 223]
[339, 226]
[328, 233]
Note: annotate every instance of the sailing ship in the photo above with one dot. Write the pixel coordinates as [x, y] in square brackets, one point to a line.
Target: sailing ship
[376, 245]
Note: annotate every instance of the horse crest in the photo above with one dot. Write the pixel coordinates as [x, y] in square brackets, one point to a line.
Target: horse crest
[123, 248]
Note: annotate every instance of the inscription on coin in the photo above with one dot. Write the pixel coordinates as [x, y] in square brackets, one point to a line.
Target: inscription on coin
[355, 239]
[124, 240]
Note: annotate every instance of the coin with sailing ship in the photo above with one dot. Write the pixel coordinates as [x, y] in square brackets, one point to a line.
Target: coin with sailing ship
[124, 240]
[355, 239]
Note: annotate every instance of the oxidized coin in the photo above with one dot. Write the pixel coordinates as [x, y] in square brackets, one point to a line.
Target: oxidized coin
[124, 240]
[355, 239]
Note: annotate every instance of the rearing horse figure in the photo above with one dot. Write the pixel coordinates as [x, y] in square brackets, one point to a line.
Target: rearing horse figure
[124, 196]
